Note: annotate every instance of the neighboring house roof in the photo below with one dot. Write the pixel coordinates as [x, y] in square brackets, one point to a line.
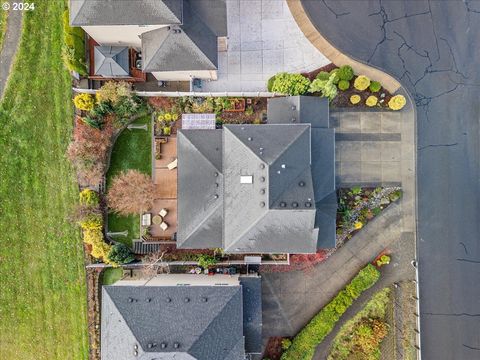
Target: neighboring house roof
[299, 109]
[213, 13]
[111, 61]
[290, 170]
[121, 12]
[252, 313]
[192, 46]
[206, 322]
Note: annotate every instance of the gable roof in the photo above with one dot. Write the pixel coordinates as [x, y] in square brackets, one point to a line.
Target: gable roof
[111, 61]
[200, 206]
[192, 46]
[312, 110]
[141, 318]
[121, 12]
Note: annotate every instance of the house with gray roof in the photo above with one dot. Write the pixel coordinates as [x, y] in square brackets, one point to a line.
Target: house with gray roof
[181, 316]
[176, 39]
[258, 188]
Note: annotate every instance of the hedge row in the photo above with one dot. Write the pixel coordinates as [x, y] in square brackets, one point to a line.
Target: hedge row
[304, 344]
[73, 51]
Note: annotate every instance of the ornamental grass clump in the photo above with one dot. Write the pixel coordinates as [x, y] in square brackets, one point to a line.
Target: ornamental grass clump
[397, 102]
[304, 344]
[326, 87]
[291, 84]
[371, 101]
[361, 83]
[84, 102]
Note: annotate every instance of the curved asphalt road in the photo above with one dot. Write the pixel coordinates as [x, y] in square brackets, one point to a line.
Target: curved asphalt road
[433, 48]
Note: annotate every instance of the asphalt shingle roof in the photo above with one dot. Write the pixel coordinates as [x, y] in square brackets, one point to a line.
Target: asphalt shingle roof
[207, 326]
[111, 61]
[313, 110]
[121, 12]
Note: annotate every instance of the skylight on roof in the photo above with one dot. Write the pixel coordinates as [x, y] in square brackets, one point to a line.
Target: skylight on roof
[246, 179]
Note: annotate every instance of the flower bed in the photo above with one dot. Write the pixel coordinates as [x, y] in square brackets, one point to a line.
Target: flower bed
[304, 344]
[363, 334]
[357, 206]
[303, 262]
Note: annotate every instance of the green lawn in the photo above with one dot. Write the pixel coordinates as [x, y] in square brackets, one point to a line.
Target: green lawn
[3, 25]
[132, 150]
[42, 292]
[111, 275]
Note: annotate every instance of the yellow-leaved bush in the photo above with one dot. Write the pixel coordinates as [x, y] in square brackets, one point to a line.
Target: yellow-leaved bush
[361, 82]
[371, 101]
[397, 102]
[355, 99]
[84, 102]
[94, 238]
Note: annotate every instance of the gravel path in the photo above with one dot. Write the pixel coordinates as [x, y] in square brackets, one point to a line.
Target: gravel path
[10, 46]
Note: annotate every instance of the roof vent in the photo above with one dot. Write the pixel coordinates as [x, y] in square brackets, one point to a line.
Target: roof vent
[130, 300]
[187, 300]
[262, 179]
[284, 166]
[294, 107]
[262, 204]
[217, 184]
[283, 204]
[215, 174]
[262, 191]
[150, 345]
[135, 347]
[294, 119]
[215, 196]
[168, 299]
[163, 345]
[148, 300]
[308, 204]
[176, 345]
[243, 127]
[249, 318]
[135, 353]
[294, 204]
[249, 138]
[204, 299]
[301, 183]
[262, 166]
[279, 172]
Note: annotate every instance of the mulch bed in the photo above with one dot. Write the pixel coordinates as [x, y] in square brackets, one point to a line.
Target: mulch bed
[273, 350]
[259, 106]
[342, 100]
[299, 262]
[93, 314]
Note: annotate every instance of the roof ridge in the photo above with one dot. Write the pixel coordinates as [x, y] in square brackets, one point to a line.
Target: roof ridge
[78, 12]
[307, 127]
[200, 152]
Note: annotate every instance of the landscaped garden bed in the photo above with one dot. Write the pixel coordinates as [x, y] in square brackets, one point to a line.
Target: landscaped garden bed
[357, 206]
[228, 110]
[363, 334]
[340, 85]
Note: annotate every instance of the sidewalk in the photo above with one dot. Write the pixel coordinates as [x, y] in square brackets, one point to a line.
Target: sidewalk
[10, 46]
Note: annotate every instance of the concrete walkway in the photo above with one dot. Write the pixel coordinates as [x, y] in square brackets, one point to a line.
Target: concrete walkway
[291, 299]
[10, 46]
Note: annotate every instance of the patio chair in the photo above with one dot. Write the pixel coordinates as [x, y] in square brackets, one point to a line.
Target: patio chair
[163, 213]
[172, 165]
[164, 226]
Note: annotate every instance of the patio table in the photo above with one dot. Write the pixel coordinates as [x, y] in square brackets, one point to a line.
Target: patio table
[157, 220]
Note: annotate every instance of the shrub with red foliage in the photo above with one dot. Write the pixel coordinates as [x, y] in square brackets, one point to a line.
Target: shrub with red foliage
[89, 149]
[305, 262]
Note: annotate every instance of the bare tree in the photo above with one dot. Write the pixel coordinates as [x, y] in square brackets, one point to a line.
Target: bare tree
[153, 265]
[131, 192]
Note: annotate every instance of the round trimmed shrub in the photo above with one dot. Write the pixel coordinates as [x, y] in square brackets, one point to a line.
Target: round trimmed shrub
[336, 79]
[375, 86]
[397, 102]
[120, 254]
[371, 101]
[323, 75]
[355, 99]
[361, 83]
[84, 102]
[291, 84]
[345, 72]
[343, 85]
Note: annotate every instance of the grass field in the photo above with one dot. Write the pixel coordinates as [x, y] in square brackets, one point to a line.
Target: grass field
[132, 150]
[111, 275]
[3, 25]
[42, 292]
